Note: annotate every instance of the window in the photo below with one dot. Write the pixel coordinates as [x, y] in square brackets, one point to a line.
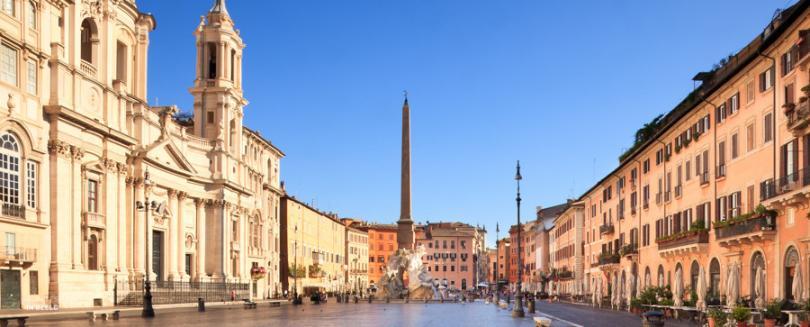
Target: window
[749, 137]
[121, 62]
[33, 282]
[8, 65]
[89, 39]
[646, 166]
[212, 60]
[9, 170]
[733, 103]
[749, 92]
[767, 134]
[92, 196]
[188, 264]
[210, 120]
[790, 161]
[30, 15]
[789, 60]
[31, 78]
[734, 146]
[8, 7]
[766, 79]
[31, 183]
[688, 170]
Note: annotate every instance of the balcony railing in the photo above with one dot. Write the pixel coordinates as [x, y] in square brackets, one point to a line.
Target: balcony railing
[88, 68]
[606, 229]
[755, 224]
[12, 210]
[721, 170]
[609, 258]
[94, 219]
[683, 239]
[15, 254]
[629, 249]
[767, 190]
[798, 115]
[785, 184]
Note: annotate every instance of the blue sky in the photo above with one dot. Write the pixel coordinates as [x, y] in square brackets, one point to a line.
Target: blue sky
[560, 85]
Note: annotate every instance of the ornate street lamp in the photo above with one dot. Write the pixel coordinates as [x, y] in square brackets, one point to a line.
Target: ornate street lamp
[517, 310]
[148, 310]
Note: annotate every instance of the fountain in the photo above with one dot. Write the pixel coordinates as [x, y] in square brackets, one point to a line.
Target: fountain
[420, 286]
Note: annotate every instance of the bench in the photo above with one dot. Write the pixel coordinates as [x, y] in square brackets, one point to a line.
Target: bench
[542, 322]
[20, 320]
[105, 315]
[249, 304]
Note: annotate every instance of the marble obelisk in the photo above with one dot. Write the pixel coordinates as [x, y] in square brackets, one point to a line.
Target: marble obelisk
[405, 223]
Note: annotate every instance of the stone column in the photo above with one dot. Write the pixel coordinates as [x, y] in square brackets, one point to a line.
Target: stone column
[147, 234]
[171, 234]
[181, 239]
[123, 217]
[200, 271]
[77, 190]
[138, 228]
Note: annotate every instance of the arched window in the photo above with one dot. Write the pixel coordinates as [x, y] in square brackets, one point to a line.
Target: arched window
[791, 262]
[660, 276]
[92, 253]
[647, 277]
[714, 278]
[693, 274]
[757, 260]
[89, 39]
[9, 172]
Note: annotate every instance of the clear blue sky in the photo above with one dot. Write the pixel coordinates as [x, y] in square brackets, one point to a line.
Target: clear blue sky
[560, 85]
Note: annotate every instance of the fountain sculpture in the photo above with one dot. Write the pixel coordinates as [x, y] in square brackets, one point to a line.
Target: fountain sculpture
[420, 286]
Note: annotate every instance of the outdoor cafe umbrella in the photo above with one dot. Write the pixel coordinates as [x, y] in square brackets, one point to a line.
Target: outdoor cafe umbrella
[638, 286]
[797, 288]
[594, 294]
[701, 289]
[631, 281]
[647, 280]
[678, 288]
[599, 293]
[759, 288]
[733, 291]
[614, 296]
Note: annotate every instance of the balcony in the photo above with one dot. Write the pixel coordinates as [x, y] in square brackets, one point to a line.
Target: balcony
[10, 256]
[658, 198]
[629, 250]
[721, 170]
[667, 196]
[770, 189]
[94, 219]
[798, 116]
[683, 243]
[12, 210]
[89, 69]
[609, 259]
[678, 191]
[606, 229]
[746, 229]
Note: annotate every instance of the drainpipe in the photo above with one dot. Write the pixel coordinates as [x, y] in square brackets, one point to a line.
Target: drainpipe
[714, 134]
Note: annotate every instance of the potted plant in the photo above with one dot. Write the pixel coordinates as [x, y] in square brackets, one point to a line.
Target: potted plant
[717, 318]
[741, 315]
[772, 312]
[635, 306]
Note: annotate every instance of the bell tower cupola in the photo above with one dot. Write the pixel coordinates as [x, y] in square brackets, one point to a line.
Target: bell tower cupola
[217, 90]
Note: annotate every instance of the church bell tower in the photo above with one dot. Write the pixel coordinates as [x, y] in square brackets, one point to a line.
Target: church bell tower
[217, 90]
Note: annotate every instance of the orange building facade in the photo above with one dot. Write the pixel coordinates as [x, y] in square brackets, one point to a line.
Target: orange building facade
[382, 243]
[454, 253]
[721, 184]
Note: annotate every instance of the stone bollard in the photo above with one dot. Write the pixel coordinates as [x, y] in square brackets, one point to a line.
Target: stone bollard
[531, 305]
[200, 305]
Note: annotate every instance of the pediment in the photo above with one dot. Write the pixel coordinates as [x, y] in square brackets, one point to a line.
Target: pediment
[167, 154]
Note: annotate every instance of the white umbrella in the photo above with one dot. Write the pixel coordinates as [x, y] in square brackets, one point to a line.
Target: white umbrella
[678, 288]
[638, 286]
[599, 293]
[631, 281]
[797, 288]
[593, 296]
[647, 280]
[701, 289]
[733, 286]
[614, 294]
[759, 291]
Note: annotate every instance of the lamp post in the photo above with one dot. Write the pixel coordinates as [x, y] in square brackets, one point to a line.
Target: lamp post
[497, 266]
[148, 310]
[517, 310]
[295, 263]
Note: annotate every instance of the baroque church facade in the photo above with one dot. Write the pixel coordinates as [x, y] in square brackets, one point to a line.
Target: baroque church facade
[97, 186]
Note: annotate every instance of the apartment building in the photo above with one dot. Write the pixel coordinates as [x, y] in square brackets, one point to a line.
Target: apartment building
[453, 253]
[382, 243]
[719, 183]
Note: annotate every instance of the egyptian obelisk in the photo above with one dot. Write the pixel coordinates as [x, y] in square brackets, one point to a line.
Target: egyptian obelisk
[405, 223]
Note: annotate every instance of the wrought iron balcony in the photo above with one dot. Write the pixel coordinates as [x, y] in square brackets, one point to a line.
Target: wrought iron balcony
[629, 249]
[704, 178]
[609, 259]
[606, 229]
[798, 116]
[13, 210]
[667, 196]
[793, 181]
[767, 190]
[678, 190]
[10, 255]
[745, 230]
[684, 242]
